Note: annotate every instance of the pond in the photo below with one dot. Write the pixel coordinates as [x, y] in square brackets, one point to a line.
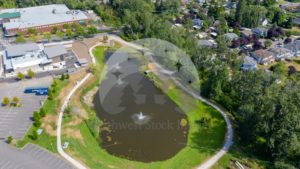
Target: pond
[140, 122]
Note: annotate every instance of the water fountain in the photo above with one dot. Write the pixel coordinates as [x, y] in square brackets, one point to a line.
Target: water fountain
[140, 118]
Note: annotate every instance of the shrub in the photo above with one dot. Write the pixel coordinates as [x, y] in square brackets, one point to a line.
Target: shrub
[5, 101]
[34, 135]
[42, 112]
[9, 139]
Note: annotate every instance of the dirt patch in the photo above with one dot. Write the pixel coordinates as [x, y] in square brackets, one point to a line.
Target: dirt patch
[50, 118]
[76, 121]
[89, 97]
[49, 129]
[73, 133]
[152, 67]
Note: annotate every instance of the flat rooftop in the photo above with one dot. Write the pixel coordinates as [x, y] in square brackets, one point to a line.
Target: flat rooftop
[42, 15]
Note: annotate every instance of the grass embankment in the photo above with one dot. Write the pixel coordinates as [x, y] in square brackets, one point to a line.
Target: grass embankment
[46, 140]
[202, 141]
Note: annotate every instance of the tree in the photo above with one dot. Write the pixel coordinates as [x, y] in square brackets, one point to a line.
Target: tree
[60, 34]
[42, 112]
[5, 101]
[36, 116]
[16, 100]
[54, 30]
[50, 95]
[280, 68]
[267, 43]
[69, 33]
[287, 41]
[62, 77]
[241, 6]
[67, 76]
[20, 76]
[37, 123]
[9, 139]
[30, 73]
[92, 30]
[66, 26]
[289, 23]
[48, 36]
[33, 37]
[105, 38]
[93, 68]
[54, 84]
[68, 110]
[178, 65]
[32, 31]
[34, 135]
[20, 39]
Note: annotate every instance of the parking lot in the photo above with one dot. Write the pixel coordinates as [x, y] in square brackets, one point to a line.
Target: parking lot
[15, 121]
[31, 157]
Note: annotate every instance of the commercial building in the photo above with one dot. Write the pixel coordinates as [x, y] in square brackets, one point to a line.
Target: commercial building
[41, 18]
[24, 56]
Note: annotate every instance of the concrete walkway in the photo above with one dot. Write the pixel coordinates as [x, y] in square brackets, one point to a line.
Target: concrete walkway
[59, 123]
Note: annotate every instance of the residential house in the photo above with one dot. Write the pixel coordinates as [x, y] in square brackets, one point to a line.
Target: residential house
[231, 36]
[263, 57]
[296, 22]
[249, 64]
[264, 22]
[201, 35]
[246, 32]
[197, 23]
[281, 53]
[294, 47]
[261, 32]
[207, 43]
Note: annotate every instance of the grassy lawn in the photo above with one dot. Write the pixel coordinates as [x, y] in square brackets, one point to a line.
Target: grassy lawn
[202, 142]
[50, 106]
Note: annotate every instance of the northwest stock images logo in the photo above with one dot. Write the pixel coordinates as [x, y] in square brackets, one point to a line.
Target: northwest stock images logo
[136, 93]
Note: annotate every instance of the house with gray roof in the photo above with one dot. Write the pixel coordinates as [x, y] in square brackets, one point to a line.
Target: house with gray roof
[281, 53]
[296, 21]
[263, 57]
[260, 32]
[249, 64]
[231, 36]
[294, 47]
[207, 43]
[197, 23]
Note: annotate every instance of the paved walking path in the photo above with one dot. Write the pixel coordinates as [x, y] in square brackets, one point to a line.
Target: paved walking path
[59, 123]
